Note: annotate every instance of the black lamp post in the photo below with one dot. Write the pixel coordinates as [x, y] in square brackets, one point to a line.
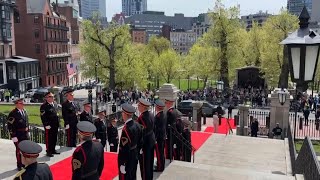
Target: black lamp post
[303, 50]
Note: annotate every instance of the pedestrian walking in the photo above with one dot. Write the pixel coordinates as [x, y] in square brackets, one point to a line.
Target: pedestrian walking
[50, 121]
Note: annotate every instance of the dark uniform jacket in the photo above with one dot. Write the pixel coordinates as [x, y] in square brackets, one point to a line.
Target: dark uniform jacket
[113, 136]
[18, 124]
[171, 118]
[101, 132]
[69, 113]
[147, 121]
[35, 171]
[88, 161]
[160, 124]
[84, 116]
[130, 141]
[49, 115]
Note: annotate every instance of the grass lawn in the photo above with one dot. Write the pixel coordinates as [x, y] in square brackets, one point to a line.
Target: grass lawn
[316, 146]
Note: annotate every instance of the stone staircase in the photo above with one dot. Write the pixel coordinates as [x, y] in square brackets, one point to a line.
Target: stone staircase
[235, 157]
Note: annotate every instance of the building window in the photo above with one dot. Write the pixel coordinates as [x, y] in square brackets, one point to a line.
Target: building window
[36, 33]
[16, 16]
[1, 50]
[36, 19]
[10, 50]
[12, 72]
[37, 47]
[1, 74]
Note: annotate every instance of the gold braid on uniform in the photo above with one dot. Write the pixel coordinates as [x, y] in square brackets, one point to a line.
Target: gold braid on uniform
[19, 174]
[11, 120]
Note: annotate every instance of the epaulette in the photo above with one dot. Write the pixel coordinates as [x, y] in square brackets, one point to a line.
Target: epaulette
[19, 174]
[11, 120]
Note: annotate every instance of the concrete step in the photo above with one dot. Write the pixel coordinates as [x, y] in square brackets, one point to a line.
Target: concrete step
[299, 177]
[186, 171]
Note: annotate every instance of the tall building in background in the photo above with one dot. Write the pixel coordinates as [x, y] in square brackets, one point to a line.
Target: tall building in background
[88, 7]
[315, 12]
[131, 7]
[295, 6]
[260, 18]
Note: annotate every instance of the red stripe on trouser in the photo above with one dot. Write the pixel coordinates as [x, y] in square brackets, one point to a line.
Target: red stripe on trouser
[121, 176]
[47, 139]
[18, 155]
[158, 157]
[166, 148]
[175, 152]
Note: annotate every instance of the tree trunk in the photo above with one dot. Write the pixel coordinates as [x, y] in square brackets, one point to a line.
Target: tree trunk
[198, 83]
[224, 65]
[112, 74]
[284, 75]
[205, 82]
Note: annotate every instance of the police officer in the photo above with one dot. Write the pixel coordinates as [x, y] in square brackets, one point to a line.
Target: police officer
[69, 114]
[86, 113]
[50, 121]
[18, 127]
[34, 170]
[88, 158]
[171, 123]
[113, 137]
[130, 143]
[160, 124]
[146, 156]
[101, 132]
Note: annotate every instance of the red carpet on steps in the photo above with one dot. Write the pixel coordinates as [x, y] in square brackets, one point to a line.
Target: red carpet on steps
[62, 170]
[198, 138]
[223, 128]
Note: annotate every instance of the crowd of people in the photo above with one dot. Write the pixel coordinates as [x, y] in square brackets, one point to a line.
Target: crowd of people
[139, 138]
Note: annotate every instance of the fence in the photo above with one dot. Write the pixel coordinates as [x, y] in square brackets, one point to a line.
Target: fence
[263, 118]
[302, 128]
[292, 149]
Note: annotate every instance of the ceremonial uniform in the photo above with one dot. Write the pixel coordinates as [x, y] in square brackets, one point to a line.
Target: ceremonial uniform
[160, 124]
[34, 171]
[88, 158]
[130, 142]
[146, 159]
[177, 146]
[113, 137]
[50, 121]
[171, 122]
[186, 149]
[69, 114]
[18, 129]
[101, 132]
[85, 116]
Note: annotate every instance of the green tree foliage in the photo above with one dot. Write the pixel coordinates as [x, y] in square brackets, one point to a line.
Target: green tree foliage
[168, 65]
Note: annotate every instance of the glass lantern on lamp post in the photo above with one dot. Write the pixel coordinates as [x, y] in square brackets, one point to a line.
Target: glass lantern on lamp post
[303, 51]
[282, 95]
[98, 93]
[220, 86]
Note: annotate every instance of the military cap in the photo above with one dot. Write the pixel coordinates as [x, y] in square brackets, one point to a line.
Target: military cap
[159, 103]
[144, 102]
[170, 100]
[29, 149]
[128, 108]
[101, 111]
[48, 94]
[69, 91]
[18, 100]
[86, 103]
[86, 128]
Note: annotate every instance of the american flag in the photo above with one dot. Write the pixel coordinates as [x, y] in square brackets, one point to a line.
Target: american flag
[70, 69]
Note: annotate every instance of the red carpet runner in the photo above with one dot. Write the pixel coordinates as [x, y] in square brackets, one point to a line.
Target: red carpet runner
[198, 138]
[62, 170]
[223, 128]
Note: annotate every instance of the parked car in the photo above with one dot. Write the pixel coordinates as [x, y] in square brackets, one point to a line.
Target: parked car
[30, 93]
[185, 107]
[38, 95]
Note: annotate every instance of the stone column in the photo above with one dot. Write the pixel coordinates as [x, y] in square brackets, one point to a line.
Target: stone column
[196, 106]
[279, 113]
[242, 128]
[167, 91]
[56, 90]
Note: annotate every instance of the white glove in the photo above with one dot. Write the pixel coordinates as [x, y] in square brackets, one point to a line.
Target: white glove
[99, 140]
[27, 128]
[141, 152]
[29, 134]
[111, 144]
[123, 169]
[67, 126]
[174, 146]
[48, 127]
[15, 139]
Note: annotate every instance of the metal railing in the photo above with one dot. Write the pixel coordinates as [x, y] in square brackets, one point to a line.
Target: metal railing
[302, 128]
[292, 149]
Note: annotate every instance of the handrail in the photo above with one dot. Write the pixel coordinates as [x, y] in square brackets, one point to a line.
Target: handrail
[183, 140]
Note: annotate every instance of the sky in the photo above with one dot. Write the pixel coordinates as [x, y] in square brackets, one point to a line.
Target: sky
[193, 8]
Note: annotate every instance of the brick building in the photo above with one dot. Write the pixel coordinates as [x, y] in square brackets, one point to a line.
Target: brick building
[138, 35]
[42, 34]
[182, 41]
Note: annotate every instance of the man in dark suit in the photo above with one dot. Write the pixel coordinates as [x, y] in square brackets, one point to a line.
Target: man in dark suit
[113, 137]
[101, 133]
[86, 113]
[34, 170]
[130, 143]
[18, 127]
[146, 157]
[50, 121]
[160, 125]
[70, 117]
[88, 158]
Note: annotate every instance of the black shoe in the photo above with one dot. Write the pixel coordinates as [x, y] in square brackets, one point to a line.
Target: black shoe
[55, 152]
[49, 155]
[19, 168]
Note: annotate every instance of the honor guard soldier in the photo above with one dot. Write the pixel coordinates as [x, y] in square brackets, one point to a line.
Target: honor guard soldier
[177, 141]
[130, 142]
[50, 121]
[86, 113]
[113, 137]
[101, 133]
[171, 123]
[33, 170]
[88, 158]
[160, 125]
[186, 147]
[18, 127]
[146, 156]
[69, 114]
